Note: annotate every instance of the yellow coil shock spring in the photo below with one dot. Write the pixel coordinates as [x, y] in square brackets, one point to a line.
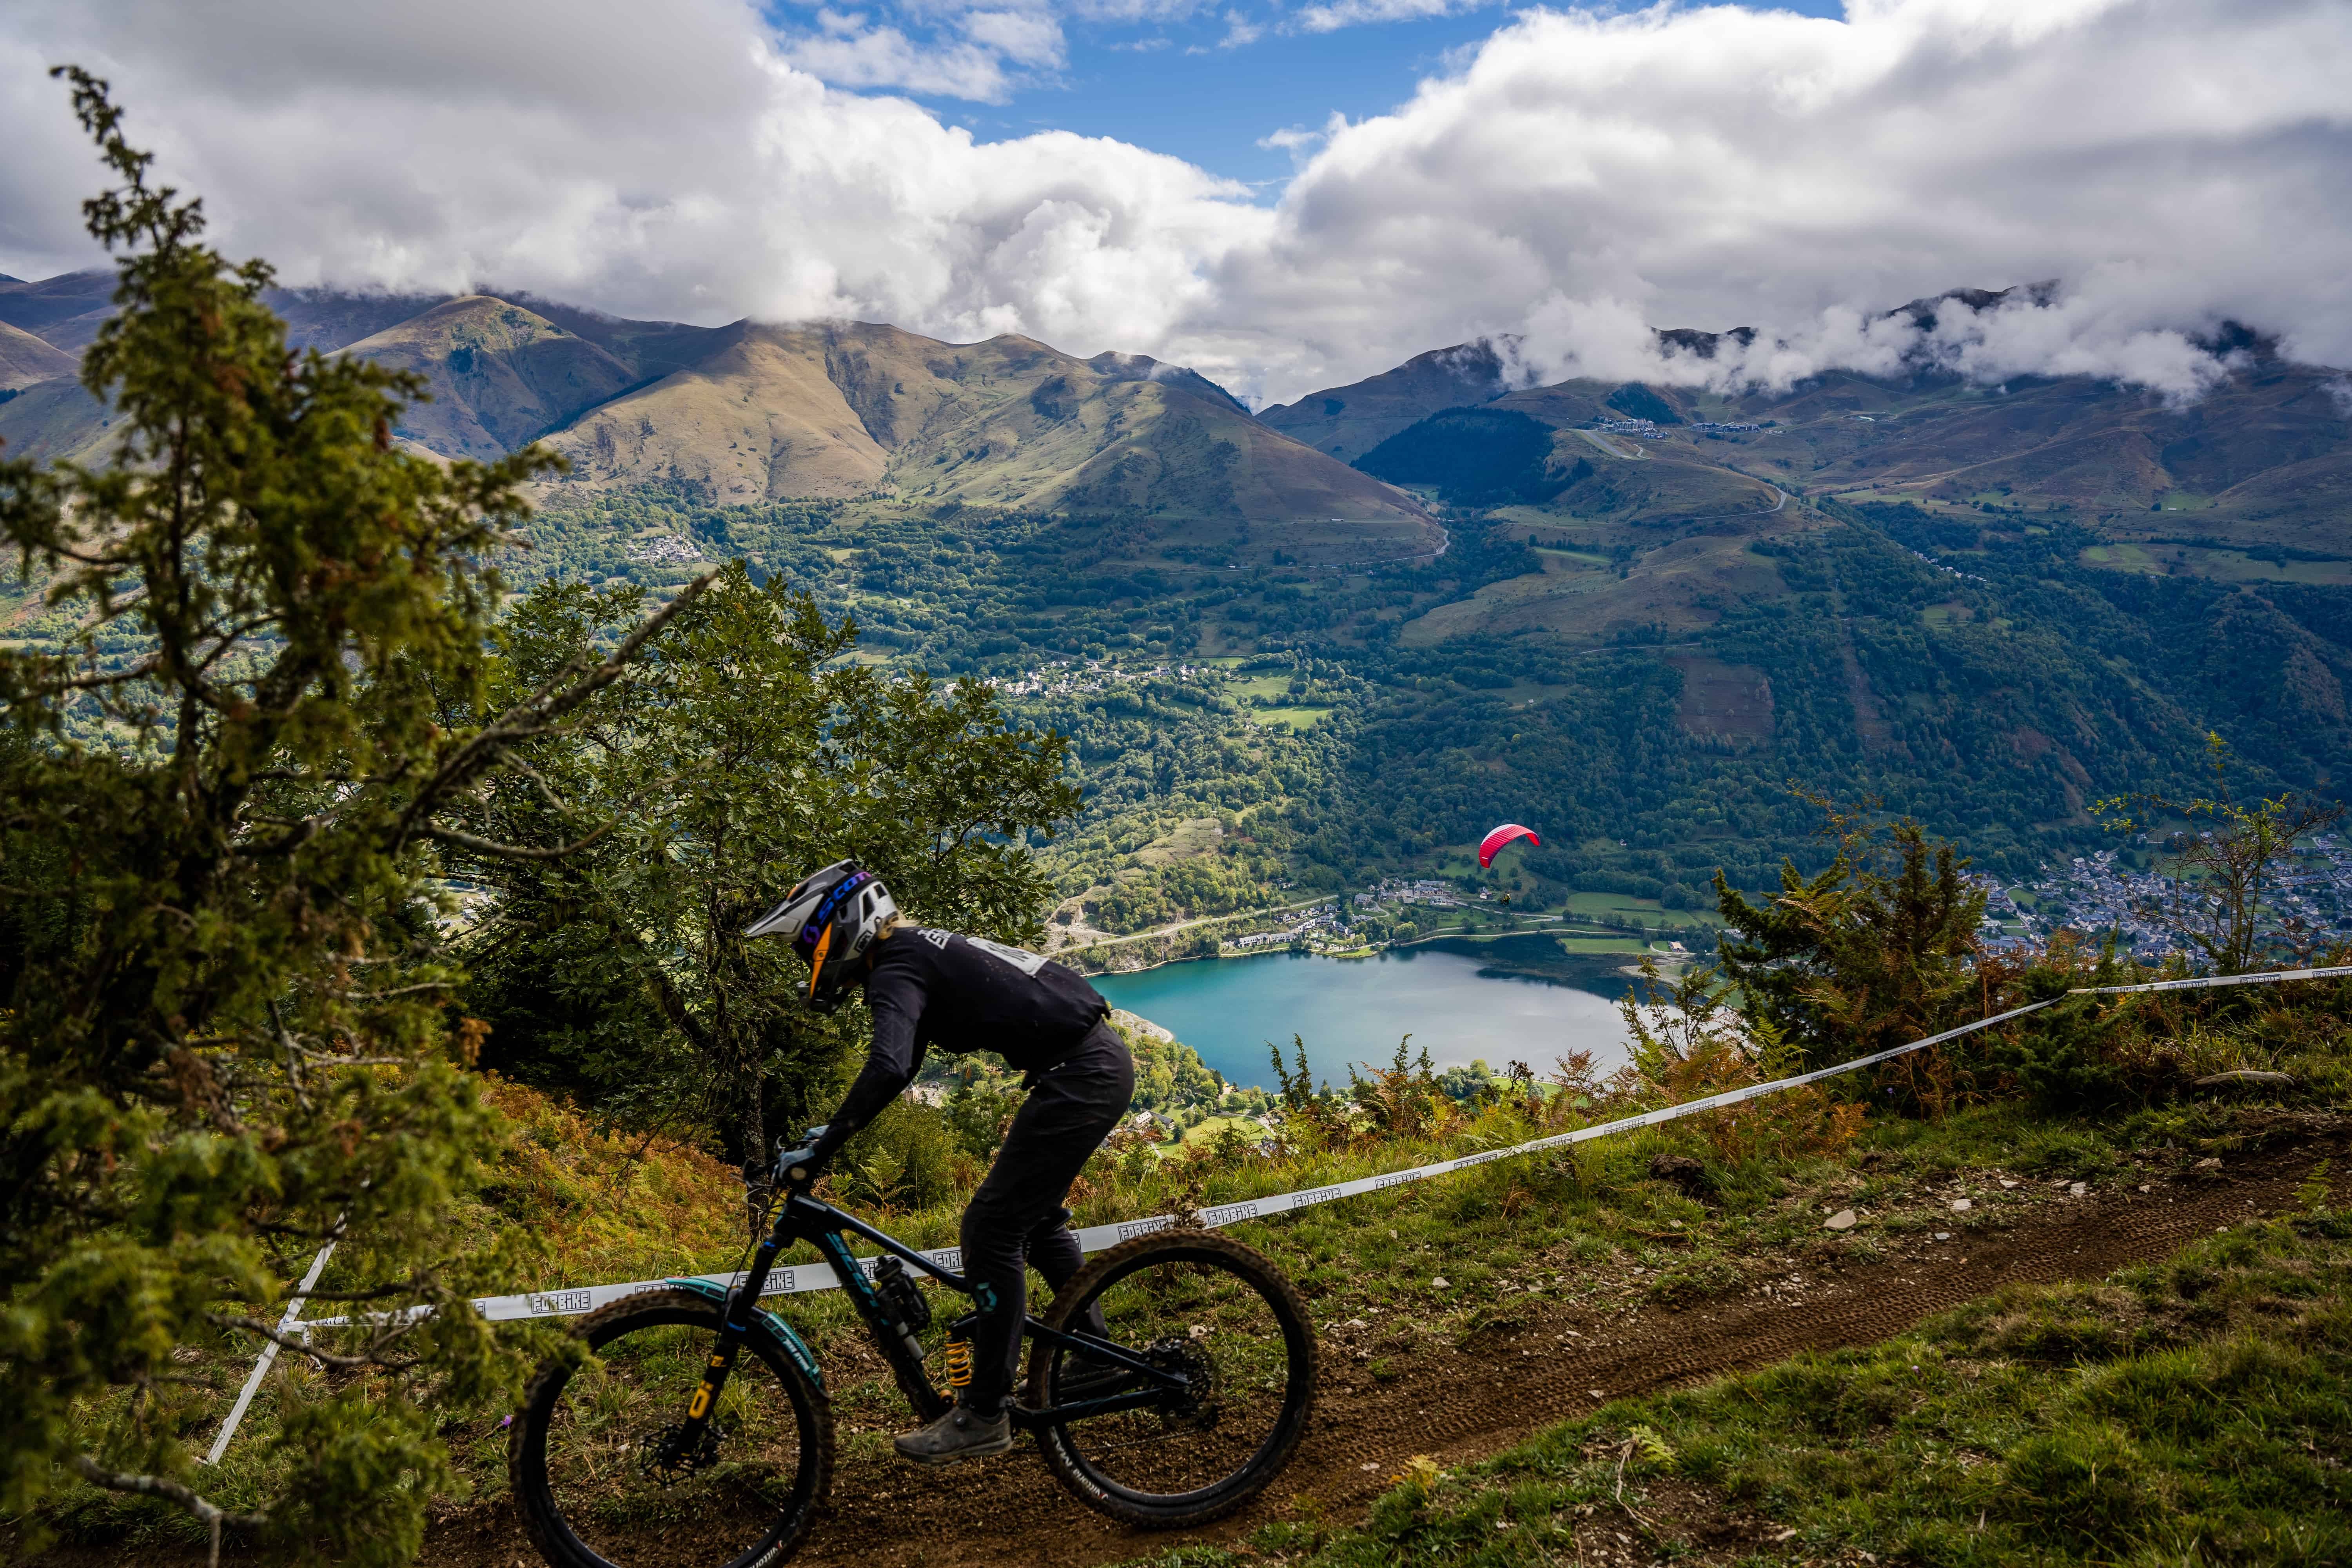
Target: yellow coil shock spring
[958, 1362]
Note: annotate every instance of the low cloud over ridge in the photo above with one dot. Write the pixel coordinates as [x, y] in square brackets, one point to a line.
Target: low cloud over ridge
[1577, 179]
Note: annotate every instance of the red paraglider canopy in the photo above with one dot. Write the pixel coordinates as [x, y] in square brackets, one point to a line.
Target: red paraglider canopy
[1493, 843]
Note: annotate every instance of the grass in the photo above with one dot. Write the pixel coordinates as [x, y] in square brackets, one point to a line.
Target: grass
[1188, 838]
[1590, 1227]
[1578, 943]
[1206, 1133]
[2221, 565]
[1527, 693]
[1292, 719]
[1649, 910]
[1271, 690]
[565, 1203]
[2198, 1411]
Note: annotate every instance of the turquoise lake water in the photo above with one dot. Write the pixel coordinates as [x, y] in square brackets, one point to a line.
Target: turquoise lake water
[1353, 1010]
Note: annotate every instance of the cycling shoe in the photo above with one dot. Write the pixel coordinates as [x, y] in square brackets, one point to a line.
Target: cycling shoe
[958, 1436]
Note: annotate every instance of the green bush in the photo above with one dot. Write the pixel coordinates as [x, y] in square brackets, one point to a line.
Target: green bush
[905, 1160]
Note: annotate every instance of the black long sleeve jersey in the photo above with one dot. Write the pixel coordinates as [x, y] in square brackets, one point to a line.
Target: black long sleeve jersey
[960, 993]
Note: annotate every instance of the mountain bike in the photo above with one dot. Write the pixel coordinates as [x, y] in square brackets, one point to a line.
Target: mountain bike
[1167, 1383]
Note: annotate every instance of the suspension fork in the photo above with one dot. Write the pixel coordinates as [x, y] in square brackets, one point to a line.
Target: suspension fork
[734, 1324]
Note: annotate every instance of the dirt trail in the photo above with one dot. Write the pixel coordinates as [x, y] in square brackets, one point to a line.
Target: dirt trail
[1462, 1404]
[1458, 1404]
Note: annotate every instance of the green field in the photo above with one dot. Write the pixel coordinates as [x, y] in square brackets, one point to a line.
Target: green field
[1649, 910]
[1291, 718]
[2217, 565]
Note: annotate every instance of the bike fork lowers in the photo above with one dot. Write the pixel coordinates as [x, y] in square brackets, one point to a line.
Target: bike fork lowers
[742, 1302]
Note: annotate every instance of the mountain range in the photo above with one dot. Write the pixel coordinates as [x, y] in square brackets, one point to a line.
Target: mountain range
[1640, 609]
[751, 412]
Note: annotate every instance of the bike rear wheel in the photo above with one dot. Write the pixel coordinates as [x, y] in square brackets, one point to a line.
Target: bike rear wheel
[1214, 1310]
[585, 1450]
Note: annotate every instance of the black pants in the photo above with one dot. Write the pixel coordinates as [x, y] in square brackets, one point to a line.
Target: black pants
[1016, 1218]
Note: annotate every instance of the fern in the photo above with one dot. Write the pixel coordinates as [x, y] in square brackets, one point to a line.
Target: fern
[1654, 1449]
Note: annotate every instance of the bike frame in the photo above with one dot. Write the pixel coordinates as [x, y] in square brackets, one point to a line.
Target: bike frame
[827, 1228]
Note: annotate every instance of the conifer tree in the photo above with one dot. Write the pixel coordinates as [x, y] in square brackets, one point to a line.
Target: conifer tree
[1872, 951]
[223, 1038]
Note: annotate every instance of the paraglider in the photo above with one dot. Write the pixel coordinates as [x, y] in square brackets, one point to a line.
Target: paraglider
[1492, 845]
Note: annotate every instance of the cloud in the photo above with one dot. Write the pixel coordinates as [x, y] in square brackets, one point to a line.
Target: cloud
[1580, 178]
[677, 167]
[884, 57]
[1032, 37]
[1331, 18]
[2056, 330]
[1576, 178]
[1291, 139]
[1240, 32]
[847, 52]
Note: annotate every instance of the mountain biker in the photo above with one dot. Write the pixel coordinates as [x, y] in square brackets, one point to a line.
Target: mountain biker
[926, 988]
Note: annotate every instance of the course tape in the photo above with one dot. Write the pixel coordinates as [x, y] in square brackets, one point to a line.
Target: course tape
[800, 1279]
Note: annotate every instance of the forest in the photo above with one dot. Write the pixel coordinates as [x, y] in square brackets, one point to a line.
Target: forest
[2002, 684]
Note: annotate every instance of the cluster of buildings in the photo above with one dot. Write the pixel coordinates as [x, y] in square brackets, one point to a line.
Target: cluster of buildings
[1952, 571]
[1725, 425]
[663, 550]
[1065, 677]
[1321, 919]
[2097, 893]
[1642, 429]
[1421, 890]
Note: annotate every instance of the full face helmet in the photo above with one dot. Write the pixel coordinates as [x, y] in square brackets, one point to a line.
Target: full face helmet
[833, 916]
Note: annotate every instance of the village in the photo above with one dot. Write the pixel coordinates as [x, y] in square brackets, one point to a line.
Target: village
[1066, 678]
[2102, 893]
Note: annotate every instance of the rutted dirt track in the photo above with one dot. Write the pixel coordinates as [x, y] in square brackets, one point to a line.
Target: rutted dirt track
[1463, 1405]
[1549, 1361]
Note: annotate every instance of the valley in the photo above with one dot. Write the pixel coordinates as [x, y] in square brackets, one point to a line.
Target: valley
[1348, 633]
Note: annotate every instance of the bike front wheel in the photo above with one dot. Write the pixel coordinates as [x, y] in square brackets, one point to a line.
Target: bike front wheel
[596, 1483]
[1216, 1313]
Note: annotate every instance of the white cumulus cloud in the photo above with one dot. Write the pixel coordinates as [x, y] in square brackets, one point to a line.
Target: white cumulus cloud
[1576, 178]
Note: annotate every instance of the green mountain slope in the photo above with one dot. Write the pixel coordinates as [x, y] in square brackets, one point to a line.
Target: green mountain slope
[1349, 421]
[500, 375]
[756, 413]
[52, 419]
[836, 411]
[1989, 607]
[2265, 457]
[64, 311]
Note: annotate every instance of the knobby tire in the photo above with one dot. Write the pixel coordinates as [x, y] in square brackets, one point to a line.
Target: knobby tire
[543, 1518]
[1065, 1444]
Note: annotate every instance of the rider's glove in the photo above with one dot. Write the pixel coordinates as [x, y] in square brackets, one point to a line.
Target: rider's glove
[797, 1167]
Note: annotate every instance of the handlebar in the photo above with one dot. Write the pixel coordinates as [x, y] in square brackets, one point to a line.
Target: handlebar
[795, 1166]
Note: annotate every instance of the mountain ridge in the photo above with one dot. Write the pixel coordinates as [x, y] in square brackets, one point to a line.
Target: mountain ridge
[760, 412]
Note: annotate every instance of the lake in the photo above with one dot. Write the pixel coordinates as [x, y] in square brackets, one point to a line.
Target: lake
[1459, 1000]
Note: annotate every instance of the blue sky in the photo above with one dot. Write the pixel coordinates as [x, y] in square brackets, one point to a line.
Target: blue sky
[1205, 83]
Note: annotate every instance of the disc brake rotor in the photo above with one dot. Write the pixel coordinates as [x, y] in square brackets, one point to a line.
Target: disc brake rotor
[1187, 1356]
[663, 1458]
